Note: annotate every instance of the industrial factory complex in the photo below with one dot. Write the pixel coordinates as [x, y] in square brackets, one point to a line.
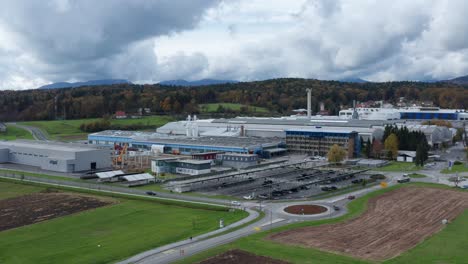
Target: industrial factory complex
[219, 147]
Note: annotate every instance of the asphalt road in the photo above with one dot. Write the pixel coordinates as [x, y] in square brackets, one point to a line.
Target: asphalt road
[37, 133]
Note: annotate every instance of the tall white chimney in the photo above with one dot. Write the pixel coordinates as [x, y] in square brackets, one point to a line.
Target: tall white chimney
[309, 103]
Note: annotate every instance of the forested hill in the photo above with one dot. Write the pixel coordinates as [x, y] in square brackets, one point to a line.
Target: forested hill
[278, 95]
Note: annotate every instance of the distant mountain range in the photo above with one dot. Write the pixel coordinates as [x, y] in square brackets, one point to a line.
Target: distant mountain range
[463, 80]
[59, 85]
[196, 83]
[353, 80]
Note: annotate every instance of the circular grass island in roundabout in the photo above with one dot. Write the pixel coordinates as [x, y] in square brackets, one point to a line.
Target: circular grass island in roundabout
[305, 209]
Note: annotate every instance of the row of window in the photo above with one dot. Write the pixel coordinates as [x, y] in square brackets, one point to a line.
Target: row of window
[28, 154]
[238, 158]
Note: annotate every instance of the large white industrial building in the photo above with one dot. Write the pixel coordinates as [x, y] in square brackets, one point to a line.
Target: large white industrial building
[54, 156]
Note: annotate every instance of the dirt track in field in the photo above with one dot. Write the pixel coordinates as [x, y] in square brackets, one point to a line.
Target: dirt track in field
[38, 207]
[237, 256]
[394, 222]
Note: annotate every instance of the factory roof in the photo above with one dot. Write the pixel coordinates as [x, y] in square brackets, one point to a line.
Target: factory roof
[156, 138]
[47, 145]
[239, 155]
[195, 161]
[304, 121]
[324, 130]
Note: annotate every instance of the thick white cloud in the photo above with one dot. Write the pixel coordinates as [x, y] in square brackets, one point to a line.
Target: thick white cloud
[149, 41]
[80, 39]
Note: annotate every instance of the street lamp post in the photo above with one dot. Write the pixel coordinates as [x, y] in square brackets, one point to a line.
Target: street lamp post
[271, 210]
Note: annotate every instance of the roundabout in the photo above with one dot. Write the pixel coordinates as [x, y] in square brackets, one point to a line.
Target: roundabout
[305, 209]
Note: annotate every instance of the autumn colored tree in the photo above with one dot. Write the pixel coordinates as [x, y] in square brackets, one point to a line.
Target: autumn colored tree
[336, 154]
[391, 146]
[377, 148]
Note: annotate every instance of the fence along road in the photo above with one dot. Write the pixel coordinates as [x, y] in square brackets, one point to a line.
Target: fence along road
[116, 189]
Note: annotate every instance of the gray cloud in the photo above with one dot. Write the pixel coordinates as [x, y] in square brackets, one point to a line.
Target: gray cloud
[78, 39]
[59, 40]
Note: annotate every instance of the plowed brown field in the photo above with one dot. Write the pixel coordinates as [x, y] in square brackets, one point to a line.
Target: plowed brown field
[38, 207]
[394, 222]
[237, 256]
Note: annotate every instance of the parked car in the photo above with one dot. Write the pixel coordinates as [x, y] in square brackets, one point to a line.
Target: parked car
[236, 203]
[351, 197]
[249, 197]
[357, 181]
[333, 188]
[404, 178]
[151, 193]
[325, 188]
[336, 208]
[263, 196]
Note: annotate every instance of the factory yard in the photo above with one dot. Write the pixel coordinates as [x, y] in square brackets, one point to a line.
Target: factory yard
[394, 222]
[239, 256]
[38, 207]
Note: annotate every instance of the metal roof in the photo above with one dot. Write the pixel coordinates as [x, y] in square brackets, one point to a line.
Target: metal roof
[155, 138]
[109, 174]
[49, 145]
[138, 177]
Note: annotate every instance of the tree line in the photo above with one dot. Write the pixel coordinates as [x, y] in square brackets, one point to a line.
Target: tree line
[395, 139]
[279, 96]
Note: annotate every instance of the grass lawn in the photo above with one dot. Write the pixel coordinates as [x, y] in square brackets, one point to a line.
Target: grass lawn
[417, 175]
[40, 175]
[159, 188]
[396, 166]
[455, 169]
[210, 108]
[447, 246]
[70, 129]
[122, 230]
[14, 133]
[8, 189]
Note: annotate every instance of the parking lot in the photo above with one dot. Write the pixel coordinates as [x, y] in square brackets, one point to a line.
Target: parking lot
[288, 182]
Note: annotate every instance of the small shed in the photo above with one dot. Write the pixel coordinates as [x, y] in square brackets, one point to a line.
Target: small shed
[109, 176]
[406, 156]
[138, 179]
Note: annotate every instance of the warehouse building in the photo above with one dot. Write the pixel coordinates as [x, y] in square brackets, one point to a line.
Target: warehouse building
[318, 141]
[270, 126]
[54, 156]
[238, 161]
[180, 166]
[171, 144]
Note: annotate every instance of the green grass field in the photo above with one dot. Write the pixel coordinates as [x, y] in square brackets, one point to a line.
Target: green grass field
[447, 246]
[417, 175]
[211, 108]
[40, 175]
[160, 188]
[8, 189]
[121, 230]
[456, 168]
[14, 133]
[70, 129]
[396, 166]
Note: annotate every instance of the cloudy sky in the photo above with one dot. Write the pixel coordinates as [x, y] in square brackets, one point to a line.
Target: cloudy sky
[147, 41]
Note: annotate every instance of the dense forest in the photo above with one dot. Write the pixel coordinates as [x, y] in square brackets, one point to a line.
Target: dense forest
[280, 96]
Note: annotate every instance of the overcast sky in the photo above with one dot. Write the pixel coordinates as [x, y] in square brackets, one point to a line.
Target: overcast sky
[148, 41]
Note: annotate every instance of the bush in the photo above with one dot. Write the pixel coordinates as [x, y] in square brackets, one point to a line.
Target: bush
[457, 163]
[378, 177]
[95, 126]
